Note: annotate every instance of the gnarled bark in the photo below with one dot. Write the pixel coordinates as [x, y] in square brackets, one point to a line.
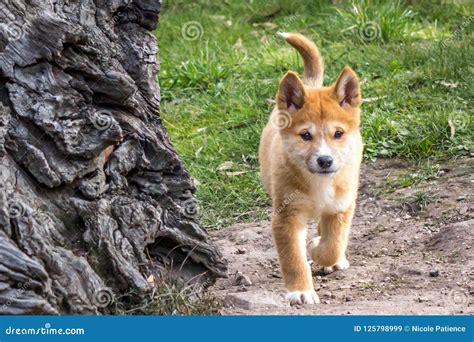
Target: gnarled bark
[94, 199]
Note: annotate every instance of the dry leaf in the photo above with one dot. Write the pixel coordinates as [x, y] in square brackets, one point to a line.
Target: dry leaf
[225, 166]
[448, 84]
[198, 152]
[234, 174]
[267, 25]
[218, 17]
[372, 99]
[264, 40]
[452, 128]
[151, 280]
[238, 44]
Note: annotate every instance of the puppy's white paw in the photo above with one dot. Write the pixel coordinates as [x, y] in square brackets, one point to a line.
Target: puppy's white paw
[341, 265]
[328, 270]
[302, 297]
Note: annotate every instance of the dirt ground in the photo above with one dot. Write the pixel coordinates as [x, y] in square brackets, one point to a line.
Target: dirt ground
[411, 251]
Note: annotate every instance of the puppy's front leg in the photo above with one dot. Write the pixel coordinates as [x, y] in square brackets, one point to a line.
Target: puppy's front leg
[329, 249]
[289, 233]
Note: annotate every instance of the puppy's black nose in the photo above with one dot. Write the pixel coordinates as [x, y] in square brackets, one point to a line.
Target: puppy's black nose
[325, 162]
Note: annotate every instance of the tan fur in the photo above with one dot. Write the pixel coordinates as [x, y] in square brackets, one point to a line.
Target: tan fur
[289, 168]
[313, 63]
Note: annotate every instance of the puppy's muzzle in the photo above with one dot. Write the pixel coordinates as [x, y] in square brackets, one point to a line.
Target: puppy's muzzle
[321, 164]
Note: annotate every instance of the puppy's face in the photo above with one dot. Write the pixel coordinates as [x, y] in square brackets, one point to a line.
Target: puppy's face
[322, 124]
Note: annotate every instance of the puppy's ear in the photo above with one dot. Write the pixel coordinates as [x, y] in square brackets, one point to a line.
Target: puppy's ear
[291, 94]
[347, 89]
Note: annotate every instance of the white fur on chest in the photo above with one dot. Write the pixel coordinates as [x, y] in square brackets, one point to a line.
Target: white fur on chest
[324, 198]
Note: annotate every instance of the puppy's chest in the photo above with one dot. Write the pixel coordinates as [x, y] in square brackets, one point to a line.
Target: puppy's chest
[326, 200]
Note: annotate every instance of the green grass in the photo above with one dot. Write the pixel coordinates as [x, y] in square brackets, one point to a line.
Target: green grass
[426, 170]
[417, 75]
[171, 298]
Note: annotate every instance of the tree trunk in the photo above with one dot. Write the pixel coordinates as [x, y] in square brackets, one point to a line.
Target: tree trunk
[94, 199]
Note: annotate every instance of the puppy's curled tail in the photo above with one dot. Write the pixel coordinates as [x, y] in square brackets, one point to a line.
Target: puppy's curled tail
[313, 63]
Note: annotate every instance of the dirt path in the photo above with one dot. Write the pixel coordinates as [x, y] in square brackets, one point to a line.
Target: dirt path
[411, 251]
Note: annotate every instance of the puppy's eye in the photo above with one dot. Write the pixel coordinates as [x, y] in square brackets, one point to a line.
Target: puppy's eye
[338, 134]
[306, 136]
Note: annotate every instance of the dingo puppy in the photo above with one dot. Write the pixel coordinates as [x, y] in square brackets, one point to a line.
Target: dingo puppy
[310, 154]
